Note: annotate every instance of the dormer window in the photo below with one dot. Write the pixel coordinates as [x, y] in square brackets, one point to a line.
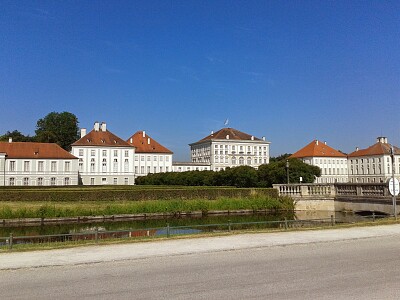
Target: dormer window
[88, 140]
[102, 141]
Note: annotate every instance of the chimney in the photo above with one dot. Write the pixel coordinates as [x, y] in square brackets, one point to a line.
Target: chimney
[325, 143]
[227, 136]
[148, 141]
[103, 126]
[144, 133]
[10, 139]
[252, 138]
[131, 140]
[212, 132]
[357, 149]
[83, 132]
[316, 142]
[96, 126]
[263, 138]
[382, 140]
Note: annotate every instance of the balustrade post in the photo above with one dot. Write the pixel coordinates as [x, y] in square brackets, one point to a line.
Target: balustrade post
[168, 230]
[10, 243]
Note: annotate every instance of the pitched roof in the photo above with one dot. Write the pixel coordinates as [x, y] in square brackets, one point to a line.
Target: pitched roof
[34, 150]
[233, 134]
[376, 149]
[145, 144]
[101, 138]
[317, 149]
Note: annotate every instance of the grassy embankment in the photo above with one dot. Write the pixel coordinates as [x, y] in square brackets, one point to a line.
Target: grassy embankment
[98, 201]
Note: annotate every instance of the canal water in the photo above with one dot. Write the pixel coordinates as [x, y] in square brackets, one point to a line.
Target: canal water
[48, 229]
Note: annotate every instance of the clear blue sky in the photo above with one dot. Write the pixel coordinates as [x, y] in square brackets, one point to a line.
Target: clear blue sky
[291, 71]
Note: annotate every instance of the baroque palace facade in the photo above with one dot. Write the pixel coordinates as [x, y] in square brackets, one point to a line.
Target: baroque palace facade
[102, 158]
[372, 164]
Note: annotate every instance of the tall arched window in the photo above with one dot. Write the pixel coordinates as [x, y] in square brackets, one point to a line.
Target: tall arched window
[241, 161]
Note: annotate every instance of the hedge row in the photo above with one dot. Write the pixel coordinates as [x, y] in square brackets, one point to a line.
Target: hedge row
[134, 195]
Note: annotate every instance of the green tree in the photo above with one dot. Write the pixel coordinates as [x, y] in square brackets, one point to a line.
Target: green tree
[276, 172]
[280, 157]
[244, 176]
[61, 128]
[16, 136]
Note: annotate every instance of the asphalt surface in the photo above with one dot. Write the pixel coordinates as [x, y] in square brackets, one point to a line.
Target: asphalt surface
[356, 263]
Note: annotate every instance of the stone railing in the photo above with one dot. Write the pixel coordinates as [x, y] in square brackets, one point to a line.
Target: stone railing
[333, 190]
[362, 189]
[305, 190]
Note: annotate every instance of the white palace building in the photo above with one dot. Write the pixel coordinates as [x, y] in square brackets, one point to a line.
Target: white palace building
[37, 164]
[102, 158]
[229, 147]
[369, 165]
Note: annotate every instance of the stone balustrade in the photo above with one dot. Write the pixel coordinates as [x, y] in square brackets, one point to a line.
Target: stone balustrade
[305, 190]
[333, 190]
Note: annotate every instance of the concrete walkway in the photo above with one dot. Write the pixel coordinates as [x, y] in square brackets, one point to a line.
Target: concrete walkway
[120, 252]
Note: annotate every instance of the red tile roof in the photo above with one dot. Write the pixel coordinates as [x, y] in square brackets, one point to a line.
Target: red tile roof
[145, 144]
[234, 134]
[375, 149]
[34, 150]
[317, 149]
[101, 138]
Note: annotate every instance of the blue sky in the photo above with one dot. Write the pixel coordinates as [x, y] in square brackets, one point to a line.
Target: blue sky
[291, 71]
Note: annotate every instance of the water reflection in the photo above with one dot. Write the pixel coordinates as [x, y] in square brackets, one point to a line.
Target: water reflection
[173, 222]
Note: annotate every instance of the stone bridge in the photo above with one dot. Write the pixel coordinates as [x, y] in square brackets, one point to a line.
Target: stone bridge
[356, 197]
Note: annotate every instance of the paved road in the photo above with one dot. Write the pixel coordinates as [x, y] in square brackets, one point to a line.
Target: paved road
[366, 268]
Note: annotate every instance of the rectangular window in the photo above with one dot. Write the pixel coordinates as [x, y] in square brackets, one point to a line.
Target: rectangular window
[92, 181]
[53, 166]
[53, 181]
[104, 152]
[80, 152]
[12, 166]
[12, 181]
[142, 170]
[155, 158]
[126, 153]
[26, 181]
[66, 181]
[148, 169]
[155, 169]
[40, 181]
[92, 152]
[115, 181]
[136, 169]
[26, 166]
[167, 158]
[115, 152]
[126, 180]
[161, 158]
[40, 166]
[103, 180]
[166, 169]
[161, 169]
[67, 166]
